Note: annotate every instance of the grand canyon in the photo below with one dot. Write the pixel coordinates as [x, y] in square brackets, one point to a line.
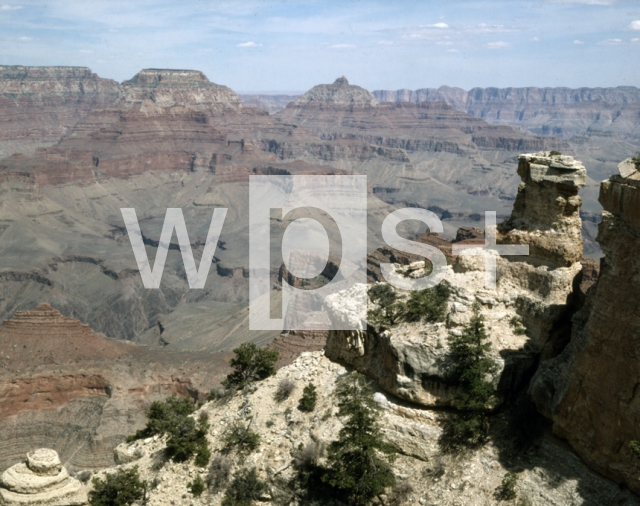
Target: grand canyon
[85, 348]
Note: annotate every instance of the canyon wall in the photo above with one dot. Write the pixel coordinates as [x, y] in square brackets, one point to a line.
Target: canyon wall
[590, 390]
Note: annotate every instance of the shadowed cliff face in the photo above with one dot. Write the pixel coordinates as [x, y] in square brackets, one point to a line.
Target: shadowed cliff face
[590, 390]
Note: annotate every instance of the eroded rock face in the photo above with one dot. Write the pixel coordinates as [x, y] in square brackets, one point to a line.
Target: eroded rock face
[546, 213]
[41, 480]
[590, 390]
[410, 359]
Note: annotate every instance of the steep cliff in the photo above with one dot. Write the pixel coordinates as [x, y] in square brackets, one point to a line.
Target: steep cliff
[590, 390]
[39, 105]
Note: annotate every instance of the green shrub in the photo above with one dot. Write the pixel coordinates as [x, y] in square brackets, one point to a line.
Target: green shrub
[197, 486]
[636, 160]
[470, 367]
[359, 460]
[164, 416]
[634, 446]
[245, 488]
[187, 439]
[516, 324]
[428, 305]
[309, 398]
[121, 488]
[241, 438]
[507, 490]
[250, 364]
[554, 153]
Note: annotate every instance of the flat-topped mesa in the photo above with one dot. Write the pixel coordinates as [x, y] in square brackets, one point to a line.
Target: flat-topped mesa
[41, 480]
[22, 72]
[546, 213]
[338, 93]
[168, 87]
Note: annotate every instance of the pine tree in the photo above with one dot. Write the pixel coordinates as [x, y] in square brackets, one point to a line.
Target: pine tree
[250, 364]
[308, 400]
[358, 462]
[471, 367]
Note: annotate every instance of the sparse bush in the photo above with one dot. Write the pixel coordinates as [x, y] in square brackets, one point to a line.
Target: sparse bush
[636, 160]
[245, 488]
[309, 398]
[121, 488]
[84, 476]
[471, 366]
[270, 423]
[359, 460]
[203, 416]
[516, 324]
[241, 438]
[507, 489]
[284, 390]
[219, 473]
[217, 393]
[307, 457]
[634, 446]
[553, 152]
[197, 486]
[164, 416]
[250, 364]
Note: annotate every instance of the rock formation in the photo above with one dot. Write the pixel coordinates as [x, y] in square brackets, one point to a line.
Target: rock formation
[167, 88]
[340, 93]
[590, 390]
[409, 360]
[41, 480]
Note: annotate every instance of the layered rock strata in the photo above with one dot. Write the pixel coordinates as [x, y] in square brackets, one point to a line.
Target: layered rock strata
[40, 481]
[590, 391]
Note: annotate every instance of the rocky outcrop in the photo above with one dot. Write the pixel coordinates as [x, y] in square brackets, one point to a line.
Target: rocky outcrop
[590, 391]
[548, 474]
[410, 360]
[41, 481]
[168, 87]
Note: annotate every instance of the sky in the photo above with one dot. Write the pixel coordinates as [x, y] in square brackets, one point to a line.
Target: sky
[290, 46]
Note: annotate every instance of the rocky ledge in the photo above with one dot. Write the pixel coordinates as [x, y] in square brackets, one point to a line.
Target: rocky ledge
[40, 480]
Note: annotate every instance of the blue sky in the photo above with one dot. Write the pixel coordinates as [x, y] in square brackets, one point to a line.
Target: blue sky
[269, 45]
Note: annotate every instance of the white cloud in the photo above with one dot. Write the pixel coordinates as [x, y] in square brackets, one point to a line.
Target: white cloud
[24, 39]
[452, 50]
[500, 44]
[440, 25]
[342, 46]
[634, 25]
[635, 40]
[535, 39]
[610, 42]
[249, 44]
[579, 42]
[7, 7]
